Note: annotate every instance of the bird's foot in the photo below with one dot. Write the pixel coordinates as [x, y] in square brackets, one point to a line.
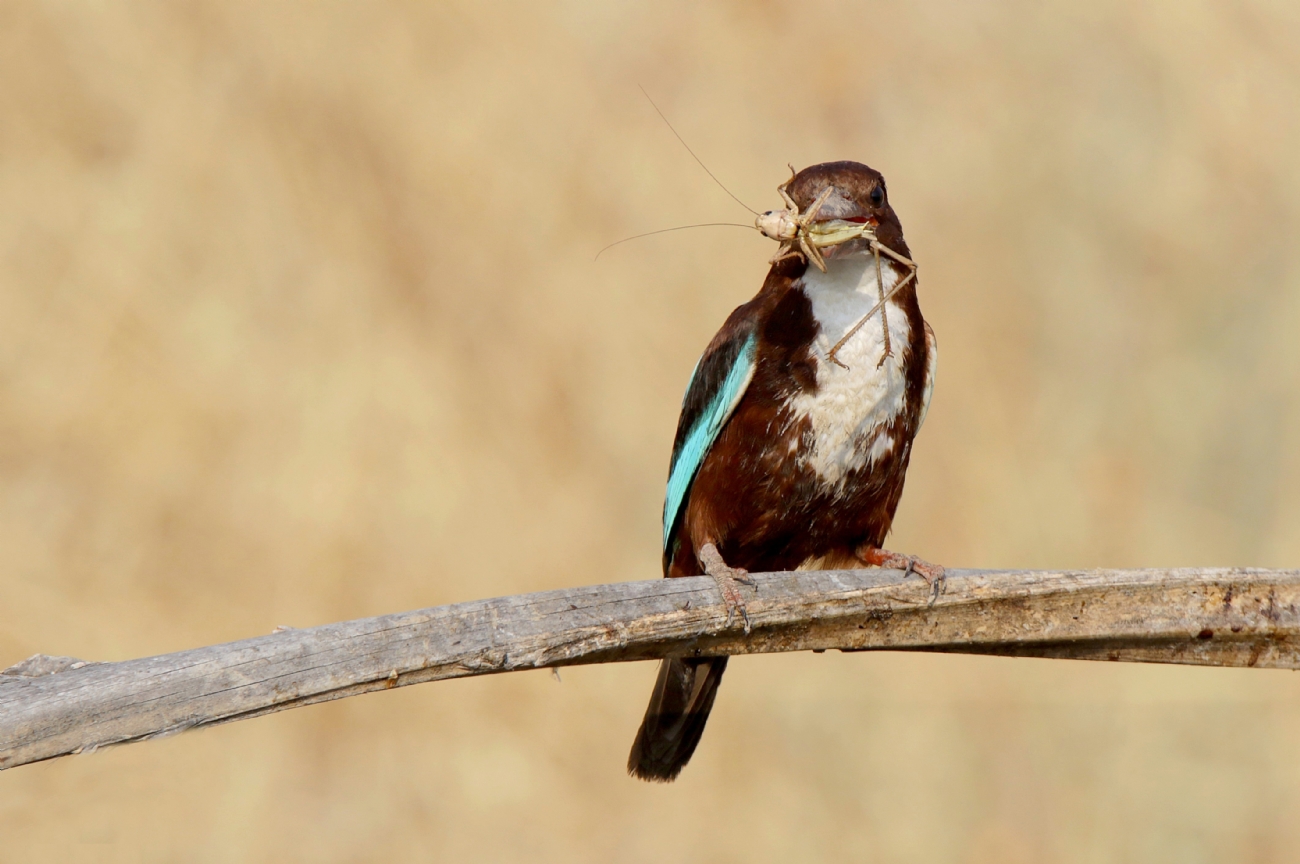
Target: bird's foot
[729, 580]
[933, 574]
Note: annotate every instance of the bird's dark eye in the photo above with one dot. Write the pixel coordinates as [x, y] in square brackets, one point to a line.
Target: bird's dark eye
[877, 196]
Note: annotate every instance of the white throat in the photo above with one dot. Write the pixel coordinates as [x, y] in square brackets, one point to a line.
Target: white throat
[852, 407]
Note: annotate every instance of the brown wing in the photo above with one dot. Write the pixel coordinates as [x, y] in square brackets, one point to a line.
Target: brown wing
[931, 363]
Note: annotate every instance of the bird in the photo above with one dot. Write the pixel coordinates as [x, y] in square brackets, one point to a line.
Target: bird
[791, 449]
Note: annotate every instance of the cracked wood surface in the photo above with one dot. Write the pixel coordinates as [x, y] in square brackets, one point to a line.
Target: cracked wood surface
[56, 706]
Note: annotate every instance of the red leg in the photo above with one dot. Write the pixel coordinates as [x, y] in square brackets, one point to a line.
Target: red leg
[933, 574]
[728, 579]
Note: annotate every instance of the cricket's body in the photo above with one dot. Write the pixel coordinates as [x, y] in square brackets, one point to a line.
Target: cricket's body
[785, 457]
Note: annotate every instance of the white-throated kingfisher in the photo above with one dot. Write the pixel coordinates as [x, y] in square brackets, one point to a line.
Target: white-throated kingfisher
[786, 458]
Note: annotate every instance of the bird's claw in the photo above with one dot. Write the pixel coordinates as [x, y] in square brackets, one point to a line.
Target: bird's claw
[934, 575]
[731, 597]
[728, 580]
[938, 584]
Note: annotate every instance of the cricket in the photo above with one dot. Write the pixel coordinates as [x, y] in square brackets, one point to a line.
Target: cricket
[802, 236]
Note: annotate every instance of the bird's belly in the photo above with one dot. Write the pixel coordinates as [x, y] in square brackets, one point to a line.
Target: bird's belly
[849, 422]
[849, 418]
[848, 428]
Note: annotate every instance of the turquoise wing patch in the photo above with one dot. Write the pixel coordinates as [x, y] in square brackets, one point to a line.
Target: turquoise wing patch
[705, 432]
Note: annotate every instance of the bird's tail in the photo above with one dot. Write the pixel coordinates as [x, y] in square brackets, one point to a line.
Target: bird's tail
[675, 718]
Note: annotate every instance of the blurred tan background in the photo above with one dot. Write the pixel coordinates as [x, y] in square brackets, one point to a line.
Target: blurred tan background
[299, 322]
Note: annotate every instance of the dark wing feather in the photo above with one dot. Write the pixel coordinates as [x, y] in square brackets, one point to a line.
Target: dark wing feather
[717, 384]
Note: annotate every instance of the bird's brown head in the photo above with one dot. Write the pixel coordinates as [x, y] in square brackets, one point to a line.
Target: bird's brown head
[858, 194]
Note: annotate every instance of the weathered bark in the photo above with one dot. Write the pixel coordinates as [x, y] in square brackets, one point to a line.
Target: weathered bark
[53, 706]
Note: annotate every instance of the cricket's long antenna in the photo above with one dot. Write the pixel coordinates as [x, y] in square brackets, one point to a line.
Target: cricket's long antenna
[678, 228]
[693, 156]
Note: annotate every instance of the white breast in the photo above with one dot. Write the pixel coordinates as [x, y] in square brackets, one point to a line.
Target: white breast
[851, 408]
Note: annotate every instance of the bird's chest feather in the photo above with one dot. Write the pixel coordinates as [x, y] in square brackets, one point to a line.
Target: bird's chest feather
[849, 419]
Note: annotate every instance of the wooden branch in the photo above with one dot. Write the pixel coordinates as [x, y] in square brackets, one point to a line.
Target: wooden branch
[53, 706]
